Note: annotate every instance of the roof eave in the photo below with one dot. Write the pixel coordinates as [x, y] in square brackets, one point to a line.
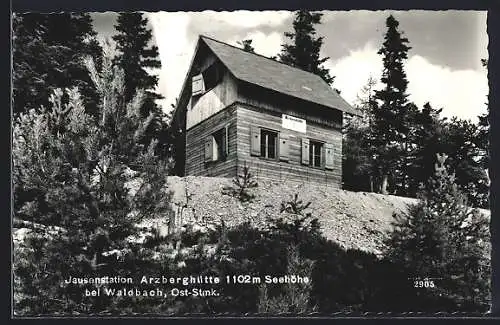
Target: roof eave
[351, 110]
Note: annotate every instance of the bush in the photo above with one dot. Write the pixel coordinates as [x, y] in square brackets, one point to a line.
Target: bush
[443, 239]
[70, 170]
[295, 297]
[340, 280]
[241, 186]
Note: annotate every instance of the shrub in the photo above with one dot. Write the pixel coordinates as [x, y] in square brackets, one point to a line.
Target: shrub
[443, 239]
[295, 297]
[241, 185]
[340, 280]
[70, 171]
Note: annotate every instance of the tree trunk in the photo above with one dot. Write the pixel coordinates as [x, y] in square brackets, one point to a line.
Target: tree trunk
[383, 189]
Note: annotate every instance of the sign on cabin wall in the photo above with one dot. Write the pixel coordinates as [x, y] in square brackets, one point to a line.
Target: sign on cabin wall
[293, 123]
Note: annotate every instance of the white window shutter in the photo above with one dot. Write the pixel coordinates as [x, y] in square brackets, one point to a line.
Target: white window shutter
[305, 151]
[198, 86]
[209, 148]
[216, 150]
[255, 141]
[283, 147]
[329, 161]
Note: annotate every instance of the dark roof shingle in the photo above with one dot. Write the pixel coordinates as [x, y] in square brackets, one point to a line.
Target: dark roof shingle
[268, 73]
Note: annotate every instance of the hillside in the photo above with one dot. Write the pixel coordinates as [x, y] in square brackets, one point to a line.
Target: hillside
[352, 219]
[356, 220]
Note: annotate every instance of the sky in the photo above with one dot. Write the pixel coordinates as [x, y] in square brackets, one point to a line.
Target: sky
[443, 66]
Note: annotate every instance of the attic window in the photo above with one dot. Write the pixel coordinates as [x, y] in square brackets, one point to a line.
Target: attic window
[208, 79]
[212, 76]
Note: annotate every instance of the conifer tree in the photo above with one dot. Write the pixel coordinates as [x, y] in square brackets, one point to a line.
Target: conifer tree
[133, 41]
[48, 52]
[442, 238]
[295, 298]
[138, 58]
[304, 50]
[366, 102]
[357, 152]
[460, 141]
[429, 129]
[71, 172]
[392, 118]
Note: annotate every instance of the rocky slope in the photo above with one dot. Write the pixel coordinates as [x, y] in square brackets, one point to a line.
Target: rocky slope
[353, 219]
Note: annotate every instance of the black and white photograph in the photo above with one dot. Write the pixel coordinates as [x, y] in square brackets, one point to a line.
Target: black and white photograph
[250, 163]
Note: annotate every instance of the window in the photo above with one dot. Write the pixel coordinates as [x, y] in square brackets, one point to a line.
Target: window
[315, 153]
[216, 145]
[212, 76]
[220, 144]
[318, 154]
[268, 144]
[206, 80]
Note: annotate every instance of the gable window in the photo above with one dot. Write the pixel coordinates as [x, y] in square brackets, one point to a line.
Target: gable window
[268, 143]
[315, 153]
[212, 76]
[206, 80]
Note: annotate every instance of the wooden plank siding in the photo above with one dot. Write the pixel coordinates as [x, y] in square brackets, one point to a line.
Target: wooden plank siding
[269, 101]
[195, 145]
[293, 169]
[211, 102]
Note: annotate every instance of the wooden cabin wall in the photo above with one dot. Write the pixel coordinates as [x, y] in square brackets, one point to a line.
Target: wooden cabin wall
[213, 101]
[195, 145]
[283, 104]
[292, 170]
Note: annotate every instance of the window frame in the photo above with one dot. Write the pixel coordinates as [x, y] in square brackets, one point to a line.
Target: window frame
[220, 145]
[218, 70]
[276, 134]
[312, 156]
[218, 76]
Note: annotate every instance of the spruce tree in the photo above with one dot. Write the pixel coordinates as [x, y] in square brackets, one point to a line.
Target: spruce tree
[392, 118]
[304, 50]
[429, 128]
[366, 102]
[138, 57]
[133, 41]
[357, 167]
[443, 239]
[356, 160]
[48, 52]
[459, 140]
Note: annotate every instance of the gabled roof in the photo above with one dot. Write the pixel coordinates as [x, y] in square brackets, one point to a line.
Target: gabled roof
[277, 76]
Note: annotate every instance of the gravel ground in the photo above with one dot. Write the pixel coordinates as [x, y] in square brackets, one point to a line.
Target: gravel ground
[356, 220]
[353, 219]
